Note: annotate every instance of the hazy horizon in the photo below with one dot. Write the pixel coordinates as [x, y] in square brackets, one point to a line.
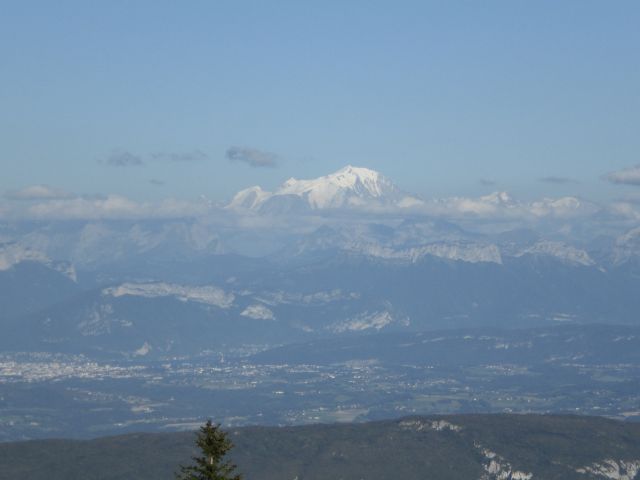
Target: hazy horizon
[153, 100]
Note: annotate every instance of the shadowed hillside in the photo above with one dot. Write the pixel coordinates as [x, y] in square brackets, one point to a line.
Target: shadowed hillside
[439, 447]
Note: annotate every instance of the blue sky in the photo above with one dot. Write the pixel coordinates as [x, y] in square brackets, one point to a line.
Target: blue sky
[445, 98]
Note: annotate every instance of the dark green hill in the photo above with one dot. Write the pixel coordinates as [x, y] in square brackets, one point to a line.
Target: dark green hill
[462, 447]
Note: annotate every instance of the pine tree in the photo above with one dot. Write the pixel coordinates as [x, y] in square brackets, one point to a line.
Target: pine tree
[214, 445]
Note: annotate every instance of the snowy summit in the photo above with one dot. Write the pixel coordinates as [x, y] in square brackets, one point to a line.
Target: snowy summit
[348, 187]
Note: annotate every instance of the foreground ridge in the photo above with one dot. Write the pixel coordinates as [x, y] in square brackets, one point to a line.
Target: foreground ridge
[483, 447]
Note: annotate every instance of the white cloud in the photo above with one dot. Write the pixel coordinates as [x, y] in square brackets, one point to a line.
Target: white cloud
[112, 207]
[488, 205]
[626, 176]
[38, 192]
[54, 204]
[562, 207]
[501, 205]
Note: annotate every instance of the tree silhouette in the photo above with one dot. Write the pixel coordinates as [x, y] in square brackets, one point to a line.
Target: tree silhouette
[214, 445]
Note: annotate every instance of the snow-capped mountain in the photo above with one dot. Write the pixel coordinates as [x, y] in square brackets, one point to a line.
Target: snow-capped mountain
[359, 188]
[627, 247]
[349, 187]
[463, 252]
[561, 251]
[13, 254]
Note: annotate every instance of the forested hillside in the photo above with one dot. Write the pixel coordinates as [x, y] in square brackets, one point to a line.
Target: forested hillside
[457, 447]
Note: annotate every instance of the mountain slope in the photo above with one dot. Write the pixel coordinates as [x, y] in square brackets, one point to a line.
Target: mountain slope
[349, 187]
[555, 345]
[337, 294]
[462, 447]
[31, 285]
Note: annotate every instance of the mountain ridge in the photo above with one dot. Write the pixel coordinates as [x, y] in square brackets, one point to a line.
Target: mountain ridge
[446, 447]
[349, 187]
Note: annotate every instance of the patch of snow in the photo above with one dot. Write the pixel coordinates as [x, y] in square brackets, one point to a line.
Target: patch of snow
[363, 321]
[613, 469]
[249, 198]
[567, 253]
[472, 253]
[437, 425]
[627, 338]
[143, 350]
[497, 468]
[209, 294]
[309, 299]
[337, 189]
[563, 317]
[258, 312]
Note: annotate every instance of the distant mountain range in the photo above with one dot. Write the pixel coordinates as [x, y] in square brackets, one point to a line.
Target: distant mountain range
[454, 447]
[345, 253]
[363, 189]
[355, 294]
[184, 308]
